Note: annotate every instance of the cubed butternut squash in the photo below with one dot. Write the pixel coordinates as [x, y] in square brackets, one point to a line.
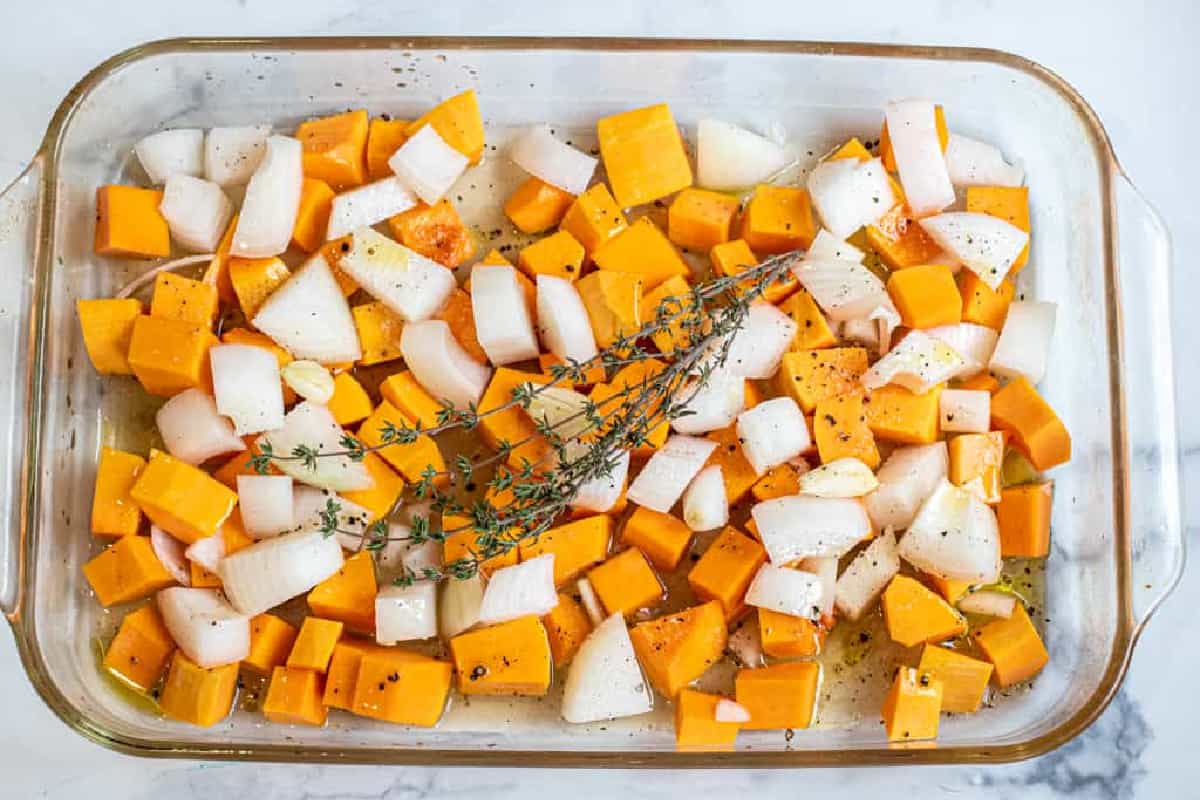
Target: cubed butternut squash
[129, 224]
[107, 327]
[567, 625]
[812, 329]
[841, 431]
[459, 314]
[348, 595]
[778, 219]
[662, 538]
[1009, 203]
[591, 376]
[254, 280]
[536, 206]
[404, 392]
[403, 687]
[378, 331]
[810, 376]
[114, 512]
[984, 382]
[983, 305]
[779, 695]
[384, 492]
[271, 639]
[312, 215]
[913, 706]
[410, 460]
[978, 457]
[786, 636]
[576, 546]
[1024, 519]
[170, 355]
[669, 299]
[676, 649]
[460, 544]
[950, 589]
[643, 155]
[217, 271]
[314, 644]
[926, 296]
[384, 138]
[182, 500]
[736, 471]
[458, 121]
[696, 725]
[197, 695]
[725, 570]
[964, 679]
[779, 481]
[436, 232]
[1035, 429]
[594, 218]
[350, 403]
[511, 425]
[735, 257]
[915, 615]
[342, 675]
[334, 148]
[613, 303]
[853, 148]
[699, 219]
[509, 658]
[294, 697]
[139, 653]
[894, 414]
[1013, 646]
[626, 583]
[900, 241]
[642, 249]
[242, 464]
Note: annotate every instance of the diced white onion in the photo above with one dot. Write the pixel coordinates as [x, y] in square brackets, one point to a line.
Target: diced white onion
[745, 642]
[984, 244]
[440, 364]
[536, 151]
[912, 128]
[860, 331]
[197, 212]
[170, 553]
[265, 502]
[502, 321]
[843, 289]
[427, 165]
[174, 152]
[848, 194]
[918, 363]
[772, 432]
[662, 481]
[313, 426]
[867, 575]
[590, 602]
[308, 379]
[309, 316]
[954, 535]
[713, 405]
[367, 205]
[419, 557]
[192, 430]
[975, 343]
[971, 162]
[311, 508]
[842, 477]
[907, 477]
[520, 590]
[787, 591]
[406, 613]
[562, 320]
[826, 570]
[231, 155]
[413, 286]
[247, 387]
[458, 607]
[273, 571]
[601, 493]
[729, 711]
[965, 410]
[758, 346]
[729, 157]
[1024, 343]
[988, 603]
[604, 680]
[705, 506]
[207, 629]
[827, 247]
[207, 552]
[268, 214]
[798, 527]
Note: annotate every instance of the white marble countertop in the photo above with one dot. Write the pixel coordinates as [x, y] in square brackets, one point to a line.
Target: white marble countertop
[1136, 66]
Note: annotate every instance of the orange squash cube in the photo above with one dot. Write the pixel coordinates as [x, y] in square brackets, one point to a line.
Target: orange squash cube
[915, 615]
[254, 280]
[779, 481]
[900, 241]
[894, 414]
[676, 649]
[591, 375]
[460, 544]
[643, 155]
[384, 138]
[436, 232]
[696, 726]
[785, 636]
[314, 644]
[613, 303]
[139, 652]
[458, 121]
[512, 658]
[736, 471]
[398, 686]
[735, 257]
[271, 639]
[668, 299]
[642, 249]
[840, 430]
[853, 148]
[1035, 429]
[170, 355]
[512, 425]
[964, 679]
[217, 271]
[294, 697]
[812, 329]
[114, 513]
[537, 206]
[810, 376]
[404, 392]
[567, 625]
[382, 496]
[983, 382]
[350, 402]
[912, 707]
[378, 331]
[778, 219]
[698, 219]
[662, 538]
[127, 570]
[129, 224]
[926, 296]
[978, 456]
[983, 305]
[576, 546]
[558, 255]
[625, 583]
[241, 464]
[1013, 646]
[107, 327]
[725, 570]
[778, 696]
[1024, 520]
[951, 590]
[1009, 203]
[348, 595]
[334, 149]
[342, 675]
[459, 314]
[312, 216]
[594, 218]
[197, 695]
[182, 500]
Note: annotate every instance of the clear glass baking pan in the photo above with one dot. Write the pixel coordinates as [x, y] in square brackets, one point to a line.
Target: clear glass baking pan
[1117, 542]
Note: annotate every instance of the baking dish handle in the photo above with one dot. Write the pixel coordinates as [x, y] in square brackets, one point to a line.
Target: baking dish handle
[19, 207]
[1155, 515]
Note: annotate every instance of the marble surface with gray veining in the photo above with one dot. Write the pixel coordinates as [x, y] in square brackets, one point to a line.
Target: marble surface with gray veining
[1135, 62]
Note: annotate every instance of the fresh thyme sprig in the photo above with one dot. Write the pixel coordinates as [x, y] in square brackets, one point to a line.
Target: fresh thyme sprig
[524, 498]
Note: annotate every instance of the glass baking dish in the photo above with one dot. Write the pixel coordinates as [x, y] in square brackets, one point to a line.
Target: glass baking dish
[1117, 542]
